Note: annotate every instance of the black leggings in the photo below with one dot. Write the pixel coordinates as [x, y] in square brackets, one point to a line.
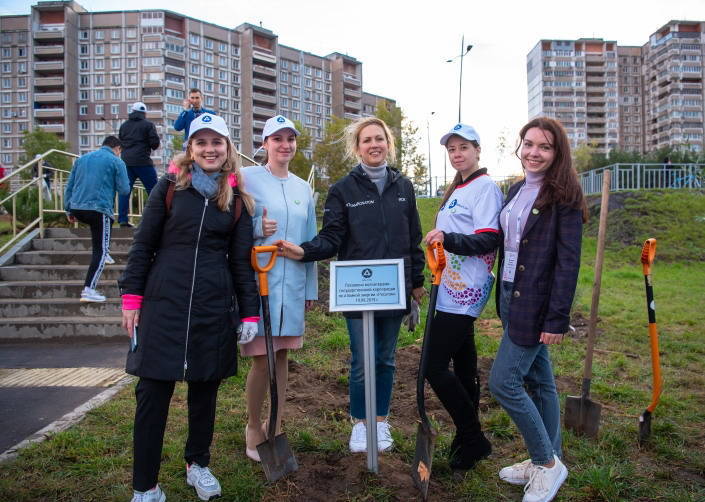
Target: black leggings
[100, 224]
[453, 337]
[153, 397]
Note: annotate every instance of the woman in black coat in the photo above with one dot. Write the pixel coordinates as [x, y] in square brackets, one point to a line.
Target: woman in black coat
[187, 285]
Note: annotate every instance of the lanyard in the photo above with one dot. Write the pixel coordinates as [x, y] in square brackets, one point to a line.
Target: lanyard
[509, 211]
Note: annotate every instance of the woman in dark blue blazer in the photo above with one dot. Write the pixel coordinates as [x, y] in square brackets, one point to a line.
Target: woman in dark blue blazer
[541, 223]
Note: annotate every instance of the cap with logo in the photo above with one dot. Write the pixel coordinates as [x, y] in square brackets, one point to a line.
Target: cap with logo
[139, 107]
[464, 131]
[208, 121]
[277, 123]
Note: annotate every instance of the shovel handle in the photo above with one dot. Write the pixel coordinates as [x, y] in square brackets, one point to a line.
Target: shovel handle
[436, 258]
[648, 253]
[262, 271]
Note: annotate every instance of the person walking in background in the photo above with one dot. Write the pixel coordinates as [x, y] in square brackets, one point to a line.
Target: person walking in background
[192, 109]
[370, 214]
[88, 198]
[467, 226]
[187, 286]
[541, 227]
[284, 210]
[139, 138]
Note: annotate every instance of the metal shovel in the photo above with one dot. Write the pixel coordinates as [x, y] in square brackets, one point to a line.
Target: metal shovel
[582, 414]
[425, 434]
[648, 253]
[277, 458]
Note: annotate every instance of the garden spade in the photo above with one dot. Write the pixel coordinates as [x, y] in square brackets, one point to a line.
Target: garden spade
[425, 435]
[582, 414]
[648, 253]
[275, 453]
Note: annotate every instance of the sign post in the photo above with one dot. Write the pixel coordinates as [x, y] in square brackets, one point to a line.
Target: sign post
[366, 286]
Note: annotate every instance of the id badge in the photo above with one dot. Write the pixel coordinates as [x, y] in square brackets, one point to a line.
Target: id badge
[510, 265]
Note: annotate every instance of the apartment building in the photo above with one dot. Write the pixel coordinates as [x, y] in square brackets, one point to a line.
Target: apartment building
[76, 73]
[633, 98]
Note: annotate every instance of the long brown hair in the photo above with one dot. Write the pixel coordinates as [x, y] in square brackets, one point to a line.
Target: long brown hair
[457, 179]
[560, 183]
[225, 193]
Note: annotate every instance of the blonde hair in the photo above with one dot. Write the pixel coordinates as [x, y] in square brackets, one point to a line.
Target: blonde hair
[352, 137]
[231, 165]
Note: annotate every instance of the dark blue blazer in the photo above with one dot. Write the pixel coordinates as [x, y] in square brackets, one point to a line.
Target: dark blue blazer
[546, 273]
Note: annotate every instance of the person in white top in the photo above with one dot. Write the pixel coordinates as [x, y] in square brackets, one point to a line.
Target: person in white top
[468, 228]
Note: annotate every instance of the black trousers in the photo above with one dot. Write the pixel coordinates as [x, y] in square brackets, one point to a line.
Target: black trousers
[100, 224]
[453, 337]
[153, 397]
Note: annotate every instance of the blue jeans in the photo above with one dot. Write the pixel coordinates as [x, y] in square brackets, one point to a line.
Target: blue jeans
[386, 334]
[148, 176]
[522, 381]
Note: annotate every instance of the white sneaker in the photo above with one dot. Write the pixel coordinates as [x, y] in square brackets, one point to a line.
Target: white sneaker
[384, 436]
[91, 295]
[544, 482]
[154, 495]
[202, 479]
[517, 474]
[109, 260]
[358, 438]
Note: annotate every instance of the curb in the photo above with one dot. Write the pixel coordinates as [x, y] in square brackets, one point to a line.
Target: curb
[63, 423]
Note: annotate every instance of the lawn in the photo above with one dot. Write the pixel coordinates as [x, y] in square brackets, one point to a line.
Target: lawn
[92, 461]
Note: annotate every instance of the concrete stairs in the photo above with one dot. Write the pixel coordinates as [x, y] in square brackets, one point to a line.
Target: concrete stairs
[40, 290]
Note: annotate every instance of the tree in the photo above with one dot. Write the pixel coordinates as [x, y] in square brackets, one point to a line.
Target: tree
[177, 143]
[411, 162]
[38, 142]
[300, 165]
[393, 117]
[329, 155]
[583, 156]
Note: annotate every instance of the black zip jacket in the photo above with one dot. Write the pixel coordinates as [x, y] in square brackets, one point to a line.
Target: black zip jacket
[193, 270]
[361, 224]
[138, 137]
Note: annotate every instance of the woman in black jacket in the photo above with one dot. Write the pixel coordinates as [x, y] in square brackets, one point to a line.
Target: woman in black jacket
[187, 284]
[370, 214]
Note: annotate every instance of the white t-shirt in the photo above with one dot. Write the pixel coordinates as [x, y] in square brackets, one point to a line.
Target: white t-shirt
[467, 281]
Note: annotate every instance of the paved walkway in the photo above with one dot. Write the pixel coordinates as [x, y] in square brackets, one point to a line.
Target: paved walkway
[40, 382]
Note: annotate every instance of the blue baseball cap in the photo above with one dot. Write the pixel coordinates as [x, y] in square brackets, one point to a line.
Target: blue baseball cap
[464, 131]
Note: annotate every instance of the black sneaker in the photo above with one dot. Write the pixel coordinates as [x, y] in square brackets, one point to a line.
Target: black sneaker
[126, 225]
[465, 453]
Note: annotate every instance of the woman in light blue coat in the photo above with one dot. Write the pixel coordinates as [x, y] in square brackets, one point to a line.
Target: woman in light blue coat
[284, 210]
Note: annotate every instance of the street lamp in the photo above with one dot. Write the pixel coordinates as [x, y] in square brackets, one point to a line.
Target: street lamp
[463, 51]
[428, 137]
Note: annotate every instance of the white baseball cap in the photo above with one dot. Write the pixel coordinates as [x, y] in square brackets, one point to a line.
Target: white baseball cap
[208, 121]
[139, 107]
[464, 131]
[277, 123]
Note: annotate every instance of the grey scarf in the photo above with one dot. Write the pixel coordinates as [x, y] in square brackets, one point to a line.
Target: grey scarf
[205, 183]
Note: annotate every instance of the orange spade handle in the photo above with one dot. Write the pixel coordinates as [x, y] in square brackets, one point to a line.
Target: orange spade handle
[648, 253]
[262, 271]
[436, 259]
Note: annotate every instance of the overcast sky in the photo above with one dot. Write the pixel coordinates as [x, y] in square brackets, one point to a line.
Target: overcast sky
[404, 45]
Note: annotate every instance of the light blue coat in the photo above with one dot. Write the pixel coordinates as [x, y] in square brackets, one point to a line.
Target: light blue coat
[290, 203]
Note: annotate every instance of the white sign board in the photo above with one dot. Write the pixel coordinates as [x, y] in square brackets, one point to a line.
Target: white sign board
[367, 285]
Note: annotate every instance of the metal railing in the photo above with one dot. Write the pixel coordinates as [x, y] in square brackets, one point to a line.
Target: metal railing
[644, 177]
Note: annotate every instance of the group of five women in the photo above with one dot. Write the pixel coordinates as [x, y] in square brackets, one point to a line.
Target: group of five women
[188, 284]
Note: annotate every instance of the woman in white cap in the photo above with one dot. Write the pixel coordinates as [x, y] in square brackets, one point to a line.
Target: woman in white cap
[467, 226]
[187, 286]
[284, 210]
[370, 214]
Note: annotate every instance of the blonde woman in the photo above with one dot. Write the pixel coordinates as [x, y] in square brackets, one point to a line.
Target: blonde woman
[187, 286]
[370, 214]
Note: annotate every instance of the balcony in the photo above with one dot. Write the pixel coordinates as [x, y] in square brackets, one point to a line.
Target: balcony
[175, 55]
[263, 112]
[352, 116]
[48, 50]
[48, 113]
[153, 99]
[258, 125]
[264, 57]
[152, 83]
[49, 97]
[49, 33]
[259, 97]
[355, 105]
[151, 53]
[264, 84]
[48, 81]
[174, 70]
[352, 80]
[257, 138]
[55, 128]
[48, 65]
[154, 114]
[258, 69]
[352, 92]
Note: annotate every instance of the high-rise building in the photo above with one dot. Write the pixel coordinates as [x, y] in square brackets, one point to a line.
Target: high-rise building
[76, 73]
[633, 98]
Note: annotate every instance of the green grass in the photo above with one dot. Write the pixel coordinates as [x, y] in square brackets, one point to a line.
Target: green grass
[92, 461]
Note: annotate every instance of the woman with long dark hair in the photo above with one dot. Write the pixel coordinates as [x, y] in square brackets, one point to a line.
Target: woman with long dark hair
[541, 224]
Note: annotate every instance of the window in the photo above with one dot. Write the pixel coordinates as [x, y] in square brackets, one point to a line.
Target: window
[295, 104]
[283, 76]
[99, 95]
[131, 48]
[132, 62]
[84, 80]
[6, 52]
[6, 83]
[83, 125]
[132, 94]
[7, 143]
[209, 101]
[308, 107]
[98, 34]
[209, 43]
[222, 47]
[115, 64]
[83, 35]
[6, 97]
[223, 104]
[195, 55]
[99, 50]
[131, 32]
[115, 109]
[115, 79]
[195, 69]
[284, 64]
[99, 64]
[236, 64]
[295, 92]
[294, 66]
[222, 61]
[21, 67]
[83, 95]
[283, 89]
[295, 79]
[319, 72]
[284, 102]
[308, 82]
[7, 67]
[223, 89]
[209, 72]
[131, 78]
[99, 125]
[83, 110]
[307, 70]
[115, 34]
[209, 86]
[7, 128]
[114, 48]
[208, 57]
[174, 93]
[194, 39]
[222, 75]
[83, 65]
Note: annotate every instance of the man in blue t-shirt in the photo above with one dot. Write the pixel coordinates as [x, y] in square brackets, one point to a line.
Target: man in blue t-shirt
[192, 109]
